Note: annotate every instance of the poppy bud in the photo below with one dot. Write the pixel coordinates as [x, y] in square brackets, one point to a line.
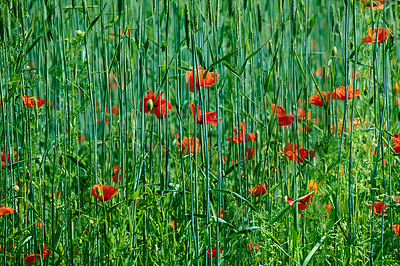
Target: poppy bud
[16, 188]
[150, 105]
[334, 51]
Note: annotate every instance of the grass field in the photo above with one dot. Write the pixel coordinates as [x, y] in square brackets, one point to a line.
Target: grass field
[237, 132]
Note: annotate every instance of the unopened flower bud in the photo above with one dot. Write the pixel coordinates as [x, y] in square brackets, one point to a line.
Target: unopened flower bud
[334, 51]
[150, 105]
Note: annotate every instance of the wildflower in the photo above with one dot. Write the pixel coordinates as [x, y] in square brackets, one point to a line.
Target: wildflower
[300, 152]
[160, 107]
[248, 154]
[396, 149]
[213, 252]
[376, 4]
[184, 146]
[114, 110]
[340, 93]
[81, 138]
[396, 139]
[328, 208]
[105, 192]
[286, 120]
[4, 210]
[210, 116]
[31, 102]
[209, 80]
[32, 258]
[221, 214]
[313, 186]
[396, 228]
[3, 156]
[378, 208]
[174, 224]
[301, 204]
[280, 112]
[253, 247]
[396, 88]
[370, 38]
[57, 195]
[115, 174]
[247, 136]
[316, 99]
[396, 199]
[258, 190]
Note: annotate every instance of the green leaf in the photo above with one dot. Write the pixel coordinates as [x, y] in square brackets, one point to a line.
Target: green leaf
[311, 23]
[96, 19]
[243, 231]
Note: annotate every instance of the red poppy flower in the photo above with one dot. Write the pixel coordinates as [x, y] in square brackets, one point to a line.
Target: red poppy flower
[278, 111]
[316, 99]
[198, 115]
[376, 4]
[184, 146]
[81, 138]
[114, 110]
[396, 228]
[396, 88]
[115, 174]
[370, 38]
[57, 195]
[213, 252]
[302, 153]
[3, 156]
[253, 247]
[258, 190]
[31, 102]
[103, 191]
[300, 205]
[173, 224]
[209, 80]
[160, 107]
[340, 93]
[313, 186]
[4, 210]
[396, 149]
[248, 154]
[32, 258]
[328, 208]
[286, 120]
[396, 139]
[247, 136]
[378, 208]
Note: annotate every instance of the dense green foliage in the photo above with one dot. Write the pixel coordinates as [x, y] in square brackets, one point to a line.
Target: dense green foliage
[289, 188]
